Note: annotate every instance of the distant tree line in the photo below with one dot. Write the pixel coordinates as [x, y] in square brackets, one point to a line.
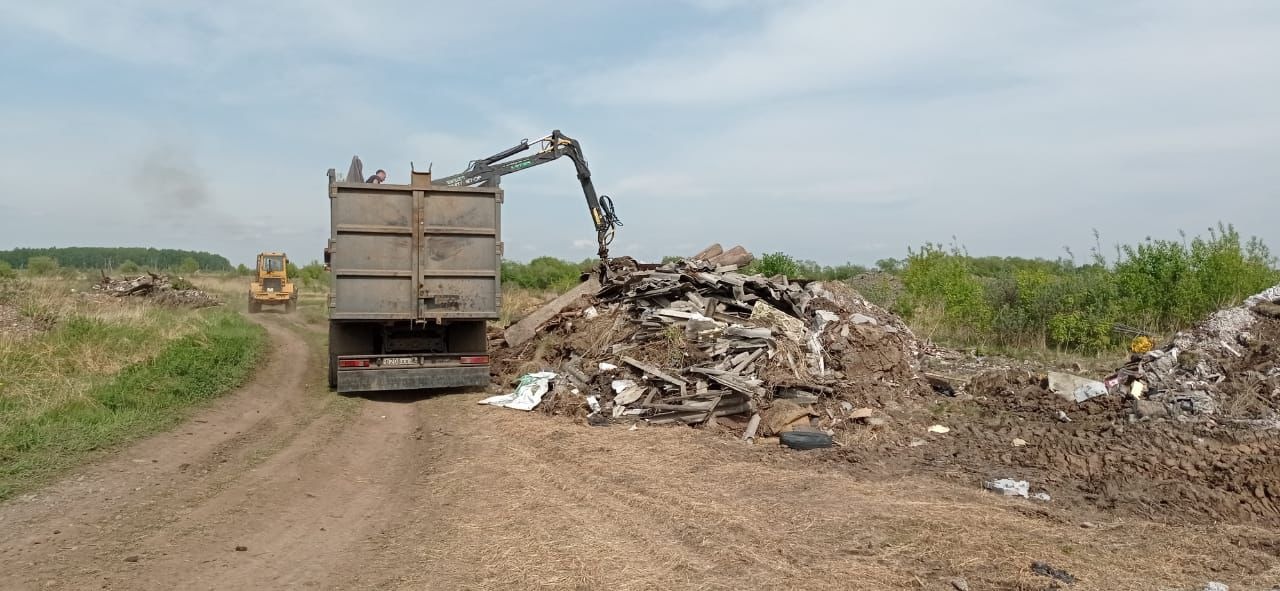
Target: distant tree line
[125, 258]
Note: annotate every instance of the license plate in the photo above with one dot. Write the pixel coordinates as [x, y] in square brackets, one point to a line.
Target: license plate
[392, 361]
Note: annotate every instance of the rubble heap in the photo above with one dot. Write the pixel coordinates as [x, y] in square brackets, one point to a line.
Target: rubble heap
[693, 340]
[1224, 366]
[159, 289]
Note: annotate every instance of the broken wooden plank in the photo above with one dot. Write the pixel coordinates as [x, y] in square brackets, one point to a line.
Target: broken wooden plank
[748, 332]
[750, 358]
[523, 331]
[697, 415]
[673, 313]
[737, 384]
[653, 371]
[711, 411]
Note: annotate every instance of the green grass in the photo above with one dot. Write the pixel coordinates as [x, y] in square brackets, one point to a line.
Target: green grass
[143, 398]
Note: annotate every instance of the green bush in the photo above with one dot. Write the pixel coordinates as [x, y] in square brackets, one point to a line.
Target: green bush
[189, 265]
[313, 275]
[128, 267]
[775, 263]
[543, 273]
[42, 265]
[1158, 285]
[936, 277]
[6, 270]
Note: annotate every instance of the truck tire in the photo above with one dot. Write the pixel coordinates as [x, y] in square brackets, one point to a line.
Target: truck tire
[805, 440]
[333, 371]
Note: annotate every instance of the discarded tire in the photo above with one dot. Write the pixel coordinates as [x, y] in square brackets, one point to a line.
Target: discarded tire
[806, 440]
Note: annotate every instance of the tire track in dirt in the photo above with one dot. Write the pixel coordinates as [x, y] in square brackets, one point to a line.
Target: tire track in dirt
[276, 467]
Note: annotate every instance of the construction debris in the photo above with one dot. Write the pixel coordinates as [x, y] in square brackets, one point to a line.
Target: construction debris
[1219, 367]
[692, 340]
[159, 289]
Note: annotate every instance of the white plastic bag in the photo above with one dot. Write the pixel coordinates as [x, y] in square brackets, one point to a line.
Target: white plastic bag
[528, 394]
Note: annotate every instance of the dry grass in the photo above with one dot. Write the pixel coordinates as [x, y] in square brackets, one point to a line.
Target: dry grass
[518, 302]
[89, 337]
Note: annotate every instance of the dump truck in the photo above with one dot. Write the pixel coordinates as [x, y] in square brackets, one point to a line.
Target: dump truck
[416, 269]
[415, 279]
[271, 285]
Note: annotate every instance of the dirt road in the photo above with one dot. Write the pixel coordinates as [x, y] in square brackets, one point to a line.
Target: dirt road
[283, 485]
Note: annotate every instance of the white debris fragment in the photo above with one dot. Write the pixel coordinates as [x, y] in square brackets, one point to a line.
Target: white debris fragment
[1010, 488]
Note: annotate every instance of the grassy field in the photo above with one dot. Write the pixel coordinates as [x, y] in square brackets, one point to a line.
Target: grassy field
[97, 371]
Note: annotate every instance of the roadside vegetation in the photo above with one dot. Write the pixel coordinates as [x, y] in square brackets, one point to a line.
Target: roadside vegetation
[81, 372]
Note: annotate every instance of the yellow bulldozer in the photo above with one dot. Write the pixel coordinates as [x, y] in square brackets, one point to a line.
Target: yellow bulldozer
[271, 285]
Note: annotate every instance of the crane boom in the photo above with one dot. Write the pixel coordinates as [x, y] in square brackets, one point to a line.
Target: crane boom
[489, 172]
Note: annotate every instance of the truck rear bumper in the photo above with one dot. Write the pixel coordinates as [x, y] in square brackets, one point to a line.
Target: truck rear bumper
[425, 378]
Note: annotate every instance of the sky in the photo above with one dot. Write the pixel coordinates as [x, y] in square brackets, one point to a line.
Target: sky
[836, 131]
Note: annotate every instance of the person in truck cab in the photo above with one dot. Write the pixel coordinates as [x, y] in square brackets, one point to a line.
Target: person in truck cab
[378, 177]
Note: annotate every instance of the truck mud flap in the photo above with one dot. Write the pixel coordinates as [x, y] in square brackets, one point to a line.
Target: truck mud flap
[378, 380]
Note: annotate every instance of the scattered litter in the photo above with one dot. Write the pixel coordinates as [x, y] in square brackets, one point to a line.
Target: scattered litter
[939, 429]
[590, 313]
[1216, 586]
[607, 367]
[861, 413]
[1075, 388]
[1010, 488]
[1044, 569]
[1042, 496]
[528, 393]
[857, 318]
[1062, 416]
[1018, 442]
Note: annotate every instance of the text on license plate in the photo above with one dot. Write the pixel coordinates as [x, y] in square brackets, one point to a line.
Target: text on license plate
[399, 361]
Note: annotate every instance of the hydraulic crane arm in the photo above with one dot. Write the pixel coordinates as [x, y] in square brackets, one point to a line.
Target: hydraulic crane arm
[489, 172]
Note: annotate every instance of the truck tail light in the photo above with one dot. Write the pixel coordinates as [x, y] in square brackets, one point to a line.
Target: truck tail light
[475, 360]
[353, 363]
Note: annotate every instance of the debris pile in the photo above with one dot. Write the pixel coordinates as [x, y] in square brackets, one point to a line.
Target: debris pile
[1225, 367]
[159, 289]
[693, 340]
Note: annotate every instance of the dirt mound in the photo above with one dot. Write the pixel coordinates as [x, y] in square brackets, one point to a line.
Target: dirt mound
[1198, 442]
[690, 341]
[1100, 453]
[160, 289]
